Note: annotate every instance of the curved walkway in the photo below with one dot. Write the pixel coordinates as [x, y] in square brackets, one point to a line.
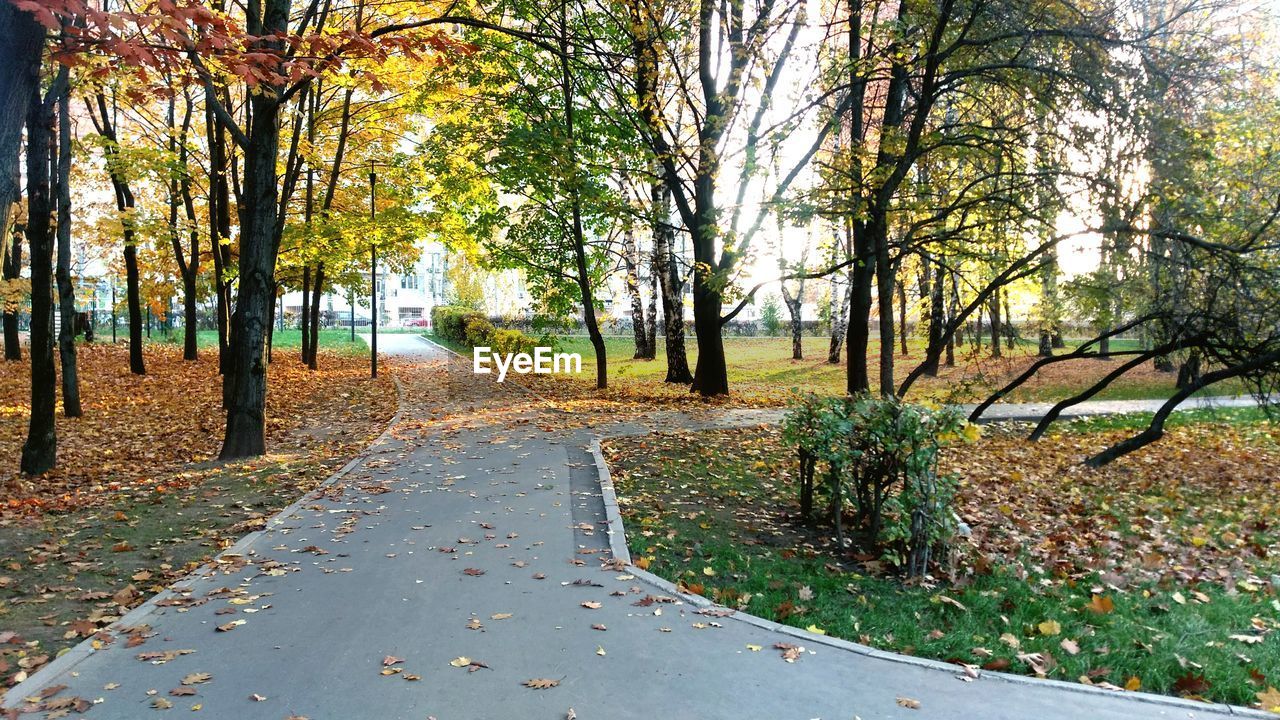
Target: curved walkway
[467, 553]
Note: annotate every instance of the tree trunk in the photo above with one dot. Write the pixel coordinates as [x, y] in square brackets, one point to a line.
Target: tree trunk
[937, 316]
[859, 332]
[795, 306]
[1010, 330]
[670, 285]
[885, 281]
[271, 322]
[840, 299]
[575, 201]
[220, 229]
[12, 271]
[994, 308]
[1049, 320]
[313, 362]
[711, 376]
[1189, 371]
[902, 317]
[66, 290]
[306, 314]
[644, 350]
[190, 348]
[104, 123]
[651, 313]
[21, 43]
[39, 452]
[188, 267]
[953, 309]
[134, 301]
[247, 379]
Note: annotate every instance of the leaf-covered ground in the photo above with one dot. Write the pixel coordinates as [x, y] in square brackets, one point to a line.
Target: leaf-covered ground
[136, 500]
[1155, 573]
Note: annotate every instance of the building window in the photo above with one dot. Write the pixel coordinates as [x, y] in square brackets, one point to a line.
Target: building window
[410, 313]
[408, 282]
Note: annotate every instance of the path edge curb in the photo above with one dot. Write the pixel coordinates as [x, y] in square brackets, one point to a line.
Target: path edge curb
[618, 546]
[16, 696]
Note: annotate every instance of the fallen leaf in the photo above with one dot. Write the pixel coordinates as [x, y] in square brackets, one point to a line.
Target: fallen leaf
[1191, 684]
[907, 702]
[1100, 604]
[541, 683]
[1270, 700]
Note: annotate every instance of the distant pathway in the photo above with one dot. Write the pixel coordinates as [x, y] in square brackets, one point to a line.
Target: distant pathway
[466, 554]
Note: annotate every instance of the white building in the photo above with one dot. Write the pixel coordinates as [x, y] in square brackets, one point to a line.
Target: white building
[406, 299]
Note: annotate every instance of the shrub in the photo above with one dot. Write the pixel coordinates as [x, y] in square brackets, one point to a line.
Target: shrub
[512, 341]
[771, 316]
[465, 326]
[450, 321]
[880, 456]
[478, 331]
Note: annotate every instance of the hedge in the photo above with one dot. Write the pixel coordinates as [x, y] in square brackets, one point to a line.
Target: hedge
[469, 327]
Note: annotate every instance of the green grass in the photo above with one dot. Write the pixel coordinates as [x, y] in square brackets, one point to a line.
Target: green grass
[335, 339]
[446, 342]
[713, 519]
[763, 366]
[1251, 416]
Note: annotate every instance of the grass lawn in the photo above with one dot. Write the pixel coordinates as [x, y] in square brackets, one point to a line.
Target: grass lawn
[335, 339]
[1157, 572]
[761, 371]
[136, 500]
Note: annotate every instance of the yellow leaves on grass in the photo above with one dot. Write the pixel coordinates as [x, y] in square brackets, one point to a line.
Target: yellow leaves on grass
[1270, 699]
[1049, 627]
